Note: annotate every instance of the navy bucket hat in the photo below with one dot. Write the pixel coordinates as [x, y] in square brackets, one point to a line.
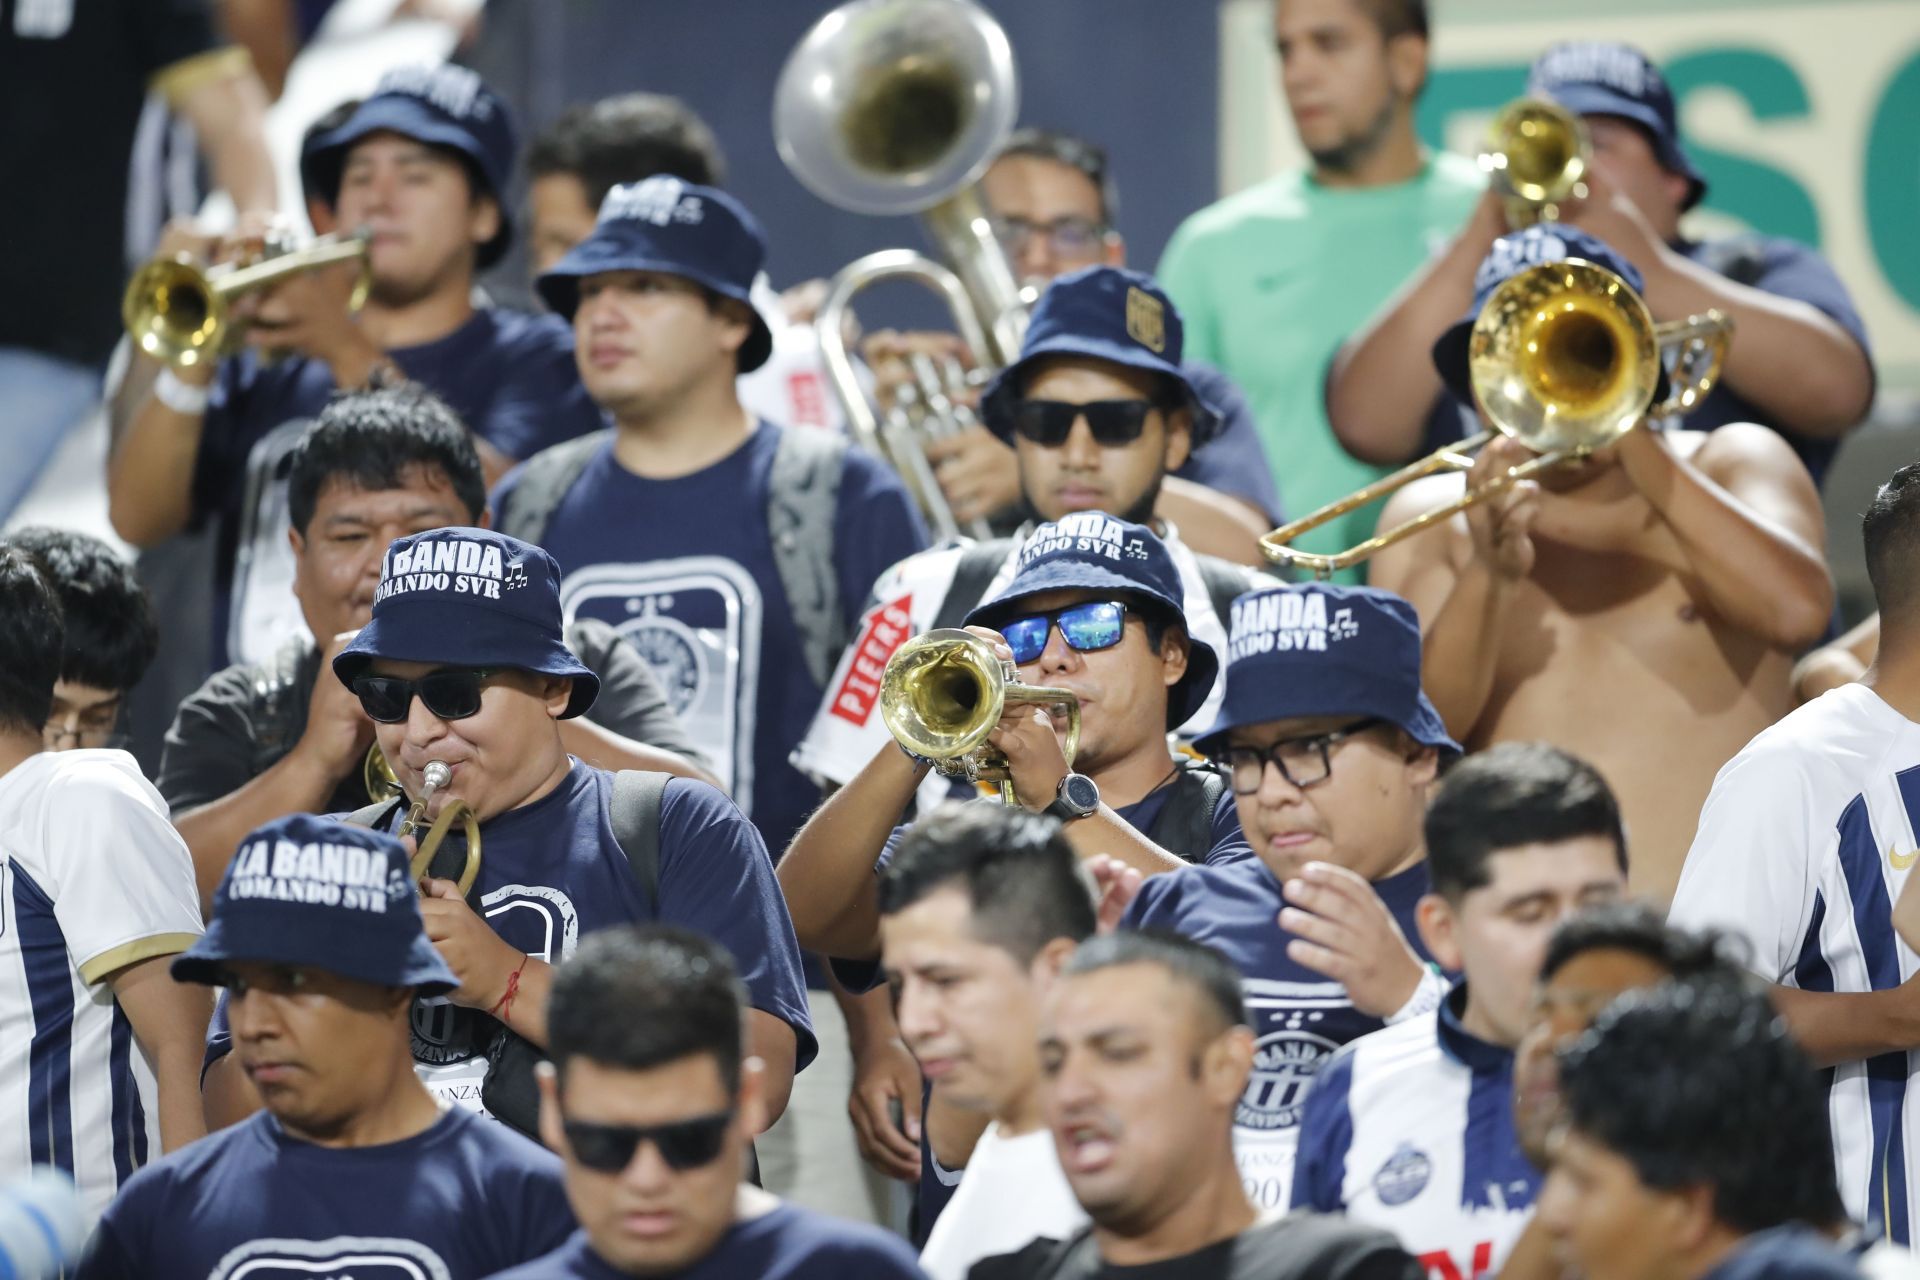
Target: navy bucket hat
[678, 228]
[322, 894]
[1093, 551]
[1108, 313]
[469, 598]
[1511, 254]
[1316, 649]
[444, 106]
[1598, 78]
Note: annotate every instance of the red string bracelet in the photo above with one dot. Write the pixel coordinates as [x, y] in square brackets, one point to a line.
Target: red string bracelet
[503, 1007]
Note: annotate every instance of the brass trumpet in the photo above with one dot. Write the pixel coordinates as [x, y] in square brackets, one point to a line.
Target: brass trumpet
[383, 785]
[1536, 156]
[942, 693]
[181, 312]
[1565, 358]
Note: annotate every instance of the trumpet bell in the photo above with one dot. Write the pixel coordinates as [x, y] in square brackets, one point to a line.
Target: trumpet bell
[942, 694]
[1536, 150]
[173, 314]
[1564, 357]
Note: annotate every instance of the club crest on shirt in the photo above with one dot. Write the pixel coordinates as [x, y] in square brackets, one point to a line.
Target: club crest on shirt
[1288, 622]
[361, 1257]
[1403, 1176]
[1284, 1065]
[1087, 533]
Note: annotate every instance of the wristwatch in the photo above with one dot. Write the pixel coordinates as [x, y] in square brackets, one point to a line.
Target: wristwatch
[1077, 797]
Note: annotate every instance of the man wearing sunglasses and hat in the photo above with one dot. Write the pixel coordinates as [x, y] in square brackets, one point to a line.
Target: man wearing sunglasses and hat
[1640, 608]
[354, 1167]
[1799, 361]
[463, 663]
[652, 1099]
[1331, 748]
[424, 164]
[1099, 409]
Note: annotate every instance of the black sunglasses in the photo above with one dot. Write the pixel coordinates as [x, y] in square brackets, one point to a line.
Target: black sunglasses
[1048, 423]
[452, 694]
[685, 1144]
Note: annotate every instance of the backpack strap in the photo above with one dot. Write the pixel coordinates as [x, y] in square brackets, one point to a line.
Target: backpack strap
[1185, 825]
[635, 814]
[979, 562]
[1225, 582]
[803, 498]
[1741, 259]
[544, 480]
[374, 815]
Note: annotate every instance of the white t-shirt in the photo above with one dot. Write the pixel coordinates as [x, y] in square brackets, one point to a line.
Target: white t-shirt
[1803, 846]
[92, 878]
[1012, 1194]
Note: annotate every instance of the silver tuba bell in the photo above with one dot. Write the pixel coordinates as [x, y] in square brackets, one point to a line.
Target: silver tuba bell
[890, 107]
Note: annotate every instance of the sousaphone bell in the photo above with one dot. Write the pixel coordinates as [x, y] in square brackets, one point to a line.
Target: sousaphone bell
[384, 785]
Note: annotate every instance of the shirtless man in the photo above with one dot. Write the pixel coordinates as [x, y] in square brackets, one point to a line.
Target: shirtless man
[1641, 609]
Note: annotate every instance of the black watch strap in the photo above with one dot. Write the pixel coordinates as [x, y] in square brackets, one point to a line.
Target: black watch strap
[1077, 797]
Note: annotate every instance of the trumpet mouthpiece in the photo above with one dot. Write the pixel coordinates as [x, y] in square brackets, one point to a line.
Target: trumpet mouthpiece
[436, 775]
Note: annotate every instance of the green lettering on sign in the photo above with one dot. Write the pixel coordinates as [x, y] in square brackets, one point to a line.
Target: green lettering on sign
[1892, 194]
[1762, 196]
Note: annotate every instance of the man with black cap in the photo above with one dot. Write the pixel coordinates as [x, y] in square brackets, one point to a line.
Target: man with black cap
[1640, 608]
[424, 165]
[463, 664]
[1099, 410]
[1799, 361]
[354, 1166]
[1331, 748]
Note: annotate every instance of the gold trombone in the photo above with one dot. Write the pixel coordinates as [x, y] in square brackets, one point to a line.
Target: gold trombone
[179, 311]
[942, 693]
[1564, 358]
[1536, 156]
[384, 785]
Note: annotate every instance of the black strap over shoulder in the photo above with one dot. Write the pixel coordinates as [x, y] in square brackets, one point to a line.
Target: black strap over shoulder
[979, 562]
[1185, 825]
[635, 814]
[544, 480]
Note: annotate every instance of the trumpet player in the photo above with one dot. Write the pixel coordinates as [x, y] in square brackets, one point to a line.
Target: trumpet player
[1640, 608]
[423, 165]
[462, 664]
[259, 740]
[1801, 365]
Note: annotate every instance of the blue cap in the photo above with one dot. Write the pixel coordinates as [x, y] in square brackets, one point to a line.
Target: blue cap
[1315, 649]
[1093, 551]
[1108, 313]
[469, 598]
[312, 891]
[1597, 78]
[1511, 254]
[669, 225]
[444, 106]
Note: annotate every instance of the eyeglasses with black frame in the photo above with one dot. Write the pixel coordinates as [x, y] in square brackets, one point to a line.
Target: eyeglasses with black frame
[1304, 762]
[452, 693]
[684, 1144]
[1073, 238]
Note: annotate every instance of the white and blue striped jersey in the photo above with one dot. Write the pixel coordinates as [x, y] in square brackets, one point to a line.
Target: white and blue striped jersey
[1410, 1129]
[1803, 846]
[92, 878]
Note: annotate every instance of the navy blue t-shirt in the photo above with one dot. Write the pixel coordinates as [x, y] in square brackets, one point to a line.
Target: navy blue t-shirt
[510, 376]
[1300, 1017]
[684, 569]
[1784, 268]
[461, 1200]
[553, 873]
[786, 1243]
[1234, 462]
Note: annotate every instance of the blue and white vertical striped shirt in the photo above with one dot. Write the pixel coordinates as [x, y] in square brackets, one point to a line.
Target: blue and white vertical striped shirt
[1411, 1129]
[1803, 846]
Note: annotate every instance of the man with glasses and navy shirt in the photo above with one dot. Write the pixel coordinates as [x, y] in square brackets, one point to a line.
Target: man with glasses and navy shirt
[463, 663]
[1331, 748]
[652, 1099]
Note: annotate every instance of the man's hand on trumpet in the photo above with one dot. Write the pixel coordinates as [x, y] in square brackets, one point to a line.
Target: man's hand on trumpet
[479, 957]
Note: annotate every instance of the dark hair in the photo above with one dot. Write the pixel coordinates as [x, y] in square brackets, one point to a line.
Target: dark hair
[1637, 928]
[1089, 159]
[1891, 530]
[1021, 878]
[1512, 794]
[370, 439]
[1398, 17]
[1700, 1084]
[624, 139]
[1190, 964]
[33, 637]
[634, 997]
[111, 635]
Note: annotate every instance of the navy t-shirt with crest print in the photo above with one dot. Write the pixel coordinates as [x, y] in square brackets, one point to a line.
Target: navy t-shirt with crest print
[785, 1243]
[1300, 1017]
[461, 1200]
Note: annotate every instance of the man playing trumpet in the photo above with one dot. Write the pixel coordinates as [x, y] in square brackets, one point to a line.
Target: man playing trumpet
[1639, 607]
